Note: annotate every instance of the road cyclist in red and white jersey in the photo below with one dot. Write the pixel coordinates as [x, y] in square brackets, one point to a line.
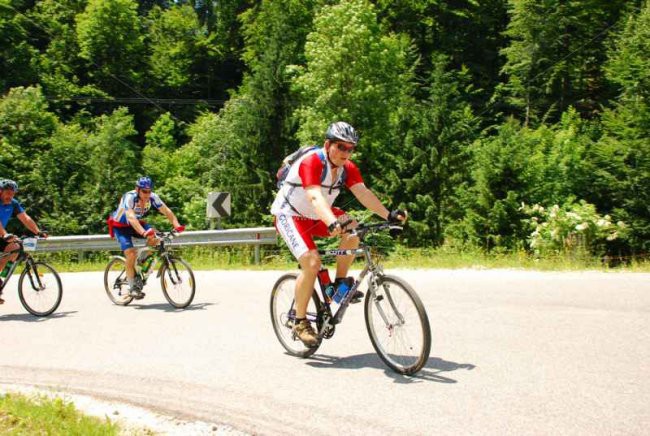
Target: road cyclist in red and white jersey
[126, 222]
[303, 210]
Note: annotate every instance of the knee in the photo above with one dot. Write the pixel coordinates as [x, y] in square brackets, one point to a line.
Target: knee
[310, 263]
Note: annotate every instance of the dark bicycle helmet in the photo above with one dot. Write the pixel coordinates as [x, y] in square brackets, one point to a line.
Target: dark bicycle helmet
[342, 131]
[9, 184]
[144, 183]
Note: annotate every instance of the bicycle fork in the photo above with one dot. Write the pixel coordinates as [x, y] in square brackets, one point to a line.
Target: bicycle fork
[34, 277]
[390, 326]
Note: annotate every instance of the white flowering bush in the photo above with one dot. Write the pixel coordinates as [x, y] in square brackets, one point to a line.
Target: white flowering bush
[572, 228]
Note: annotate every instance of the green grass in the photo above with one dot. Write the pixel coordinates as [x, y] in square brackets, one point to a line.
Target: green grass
[274, 258]
[20, 415]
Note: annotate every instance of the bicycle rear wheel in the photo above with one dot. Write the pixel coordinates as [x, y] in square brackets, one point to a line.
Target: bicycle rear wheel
[398, 325]
[116, 283]
[283, 314]
[177, 282]
[42, 293]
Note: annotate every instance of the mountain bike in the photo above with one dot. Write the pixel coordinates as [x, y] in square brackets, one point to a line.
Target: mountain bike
[176, 276]
[39, 285]
[396, 320]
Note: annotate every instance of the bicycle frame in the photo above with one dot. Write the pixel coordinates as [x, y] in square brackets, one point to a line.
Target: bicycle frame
[161, 252]
[324, 318]
[25, 257]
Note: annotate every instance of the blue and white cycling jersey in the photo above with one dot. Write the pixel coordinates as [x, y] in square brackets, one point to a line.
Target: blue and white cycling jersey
[8, 211]
[130, 200]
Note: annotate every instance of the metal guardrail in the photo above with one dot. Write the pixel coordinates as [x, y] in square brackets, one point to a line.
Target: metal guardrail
[253, 236]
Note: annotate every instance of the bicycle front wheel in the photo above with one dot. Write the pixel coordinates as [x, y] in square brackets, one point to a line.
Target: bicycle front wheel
[116, 283]
[283, 315]
[42, 292]
[177, 282]
[398, 325]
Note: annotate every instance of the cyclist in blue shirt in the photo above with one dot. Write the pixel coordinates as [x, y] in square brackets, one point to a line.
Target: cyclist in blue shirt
[126, 222]
[10, 208]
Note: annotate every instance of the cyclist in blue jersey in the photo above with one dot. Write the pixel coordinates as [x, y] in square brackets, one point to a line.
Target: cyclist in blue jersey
[126, 222]
[10, 208]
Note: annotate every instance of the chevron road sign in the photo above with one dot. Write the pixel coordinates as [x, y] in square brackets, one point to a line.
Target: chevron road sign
[218, 204]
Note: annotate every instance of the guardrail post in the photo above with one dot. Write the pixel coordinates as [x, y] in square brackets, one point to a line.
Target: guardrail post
[257, 255]
[82, 255]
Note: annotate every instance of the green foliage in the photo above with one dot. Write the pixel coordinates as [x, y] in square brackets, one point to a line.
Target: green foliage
[556, 54]
[110, 39]
[177, 42]
[177, 173]
[360, 75]
[246, 141]
[40, 415]
[413, 76]
[433, 161]
[545, 165]
[629, 63]
[26, 125]
[16, 54]
[468, 33]
[114, 163]
[573, 228]
[620, 160]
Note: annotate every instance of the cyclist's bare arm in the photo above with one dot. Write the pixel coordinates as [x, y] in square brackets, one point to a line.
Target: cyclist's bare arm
[170, 216]
[133, 220]
[369, 200]
[29, 223]
[322, 208]
[3, 232]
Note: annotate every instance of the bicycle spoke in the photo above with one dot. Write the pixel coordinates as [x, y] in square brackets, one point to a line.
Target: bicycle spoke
[398, 326]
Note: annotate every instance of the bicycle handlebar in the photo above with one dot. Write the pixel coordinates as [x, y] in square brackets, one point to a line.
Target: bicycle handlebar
[167, 235]
[363, 229]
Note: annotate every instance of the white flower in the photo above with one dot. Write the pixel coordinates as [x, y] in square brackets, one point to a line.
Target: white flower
[573, 215]
[582, 226]
[612, 236]
[621, 224]
[602, 223]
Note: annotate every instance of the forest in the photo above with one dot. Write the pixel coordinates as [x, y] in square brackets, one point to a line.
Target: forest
[502, 125]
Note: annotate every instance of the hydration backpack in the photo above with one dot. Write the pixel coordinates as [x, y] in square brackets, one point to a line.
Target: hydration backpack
[283, 171]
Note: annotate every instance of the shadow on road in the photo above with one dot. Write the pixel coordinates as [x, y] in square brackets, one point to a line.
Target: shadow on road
[169, 308]
[28, 317]
[431, 371]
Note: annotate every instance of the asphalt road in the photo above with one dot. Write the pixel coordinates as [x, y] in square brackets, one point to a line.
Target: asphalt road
[513, 353]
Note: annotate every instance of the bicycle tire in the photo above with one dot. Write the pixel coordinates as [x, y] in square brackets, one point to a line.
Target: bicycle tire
[118, 293]
[283, 291]
[389, 291]
[174, 276]
[44, 283]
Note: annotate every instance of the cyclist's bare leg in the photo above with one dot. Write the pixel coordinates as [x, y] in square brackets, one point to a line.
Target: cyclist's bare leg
[5, 259]
[130, 255]
[343, 263]
[309, 266]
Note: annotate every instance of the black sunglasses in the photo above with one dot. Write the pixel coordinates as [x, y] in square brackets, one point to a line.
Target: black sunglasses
[345, 148]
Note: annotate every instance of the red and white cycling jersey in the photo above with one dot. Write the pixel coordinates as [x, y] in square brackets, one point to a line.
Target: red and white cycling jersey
[307, 171]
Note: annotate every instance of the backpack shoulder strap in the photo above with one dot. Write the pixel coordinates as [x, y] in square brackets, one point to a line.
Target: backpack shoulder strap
[323, 159]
